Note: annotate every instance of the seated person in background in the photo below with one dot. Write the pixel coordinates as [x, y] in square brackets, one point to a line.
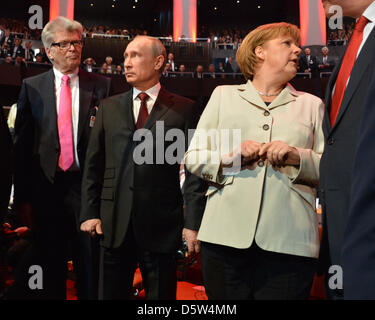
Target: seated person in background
[211, 70]
[110, 67]
[39, 58]
[167, 69]
[89, 65]
[183, 71]
[198, 73]
[29, 52]
[5, 50]
[8, 59]
[42, 52]
[7, 38]
[171, 62]
[119, 70]
[228, 66]
[103, 68]
[309, 64]
[326, 63]
[18, 50]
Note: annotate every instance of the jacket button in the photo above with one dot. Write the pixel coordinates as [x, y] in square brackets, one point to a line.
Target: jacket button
[261, 163]
[266, 127]
[266, 113]
[331, 141]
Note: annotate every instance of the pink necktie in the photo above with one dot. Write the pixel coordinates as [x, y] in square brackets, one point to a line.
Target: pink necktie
[65, 125]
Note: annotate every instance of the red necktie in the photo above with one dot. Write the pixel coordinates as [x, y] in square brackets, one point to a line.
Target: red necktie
[65, 126]
[143, 113]
[346, 67]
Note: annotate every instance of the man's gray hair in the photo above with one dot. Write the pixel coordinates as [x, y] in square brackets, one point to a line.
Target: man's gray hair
[157, 49]
[325, 48]
[59, 24]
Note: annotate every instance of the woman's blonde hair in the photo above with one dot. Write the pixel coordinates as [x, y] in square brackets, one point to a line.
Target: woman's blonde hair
[246, 57]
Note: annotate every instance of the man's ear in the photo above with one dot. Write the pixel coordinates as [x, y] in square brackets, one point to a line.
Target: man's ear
[159, 61]
[49, 53]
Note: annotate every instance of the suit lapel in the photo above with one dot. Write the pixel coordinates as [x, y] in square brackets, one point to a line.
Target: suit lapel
[162, 104]
[128, 110]
[359, 68]
[47, 92]
[250, 94]
[86, 90]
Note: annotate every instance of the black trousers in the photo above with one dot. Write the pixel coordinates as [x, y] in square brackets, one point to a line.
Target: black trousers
[255, 274]
[56, 239]
[118, 265]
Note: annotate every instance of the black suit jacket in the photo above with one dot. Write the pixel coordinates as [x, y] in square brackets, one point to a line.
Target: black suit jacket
[336, 166]
[18, 51]
[5, 165]
[358, 244]
[37, 145]
[117, 190]
[313, 65]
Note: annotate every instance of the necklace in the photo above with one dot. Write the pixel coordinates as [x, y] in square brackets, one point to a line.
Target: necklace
[268, 95]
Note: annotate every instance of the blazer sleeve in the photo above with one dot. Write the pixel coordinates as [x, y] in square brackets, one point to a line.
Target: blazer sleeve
[93, 170]
[203, 157]
[5, 165]
[194, 187]
[308, 171]
[24, 139]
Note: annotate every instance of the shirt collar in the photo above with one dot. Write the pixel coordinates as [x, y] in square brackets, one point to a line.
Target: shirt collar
[59, 75]
[369, 13]
[153, 92]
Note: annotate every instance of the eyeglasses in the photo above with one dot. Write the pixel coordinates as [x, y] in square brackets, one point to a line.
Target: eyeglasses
[64, 45]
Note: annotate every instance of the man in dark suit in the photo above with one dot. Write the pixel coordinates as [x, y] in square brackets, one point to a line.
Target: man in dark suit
[5, 166]
[326, 62]
[7, 38]
[18, 50]
[309, 64]
[55, 113]
[211, 72]
[345, 98]
[358, 251]
[29, 52]
[135, 206]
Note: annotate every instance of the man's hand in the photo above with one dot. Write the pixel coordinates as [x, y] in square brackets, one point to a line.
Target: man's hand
[193, 243]
[93, 227]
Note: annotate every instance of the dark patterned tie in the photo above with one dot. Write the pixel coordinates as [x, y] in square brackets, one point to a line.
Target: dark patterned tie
[143, 113]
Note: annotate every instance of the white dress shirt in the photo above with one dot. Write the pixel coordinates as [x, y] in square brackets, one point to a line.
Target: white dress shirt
[152, 93]
[369, 13]
[74, 87]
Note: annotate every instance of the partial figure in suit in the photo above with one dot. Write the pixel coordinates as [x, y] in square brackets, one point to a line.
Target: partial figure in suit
[5, 166]
[358, 251]
[7, 38]
[259, 233]
[170, 60]
[55, 113]
[18, 50]
[309, 63]
[326, 62]
[135, 206]
[29, 52]
[346, 94]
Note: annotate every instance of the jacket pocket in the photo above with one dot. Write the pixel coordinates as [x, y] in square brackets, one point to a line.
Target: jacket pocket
[214, 187]
[107, 194]
[306, 193]
[109, 173]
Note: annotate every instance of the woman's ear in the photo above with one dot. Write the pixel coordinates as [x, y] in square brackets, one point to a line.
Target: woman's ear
[259, 52]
